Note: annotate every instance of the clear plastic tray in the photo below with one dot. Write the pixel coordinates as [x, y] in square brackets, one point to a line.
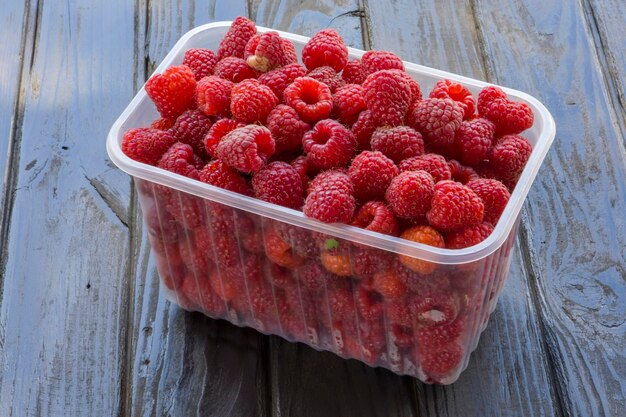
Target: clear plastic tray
[215, 259]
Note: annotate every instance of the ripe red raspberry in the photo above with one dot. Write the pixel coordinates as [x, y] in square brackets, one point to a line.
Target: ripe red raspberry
[454, 206]
[234, 69]
[215, 134]
[437, 337]
[326, 47]
[287, 128]
[264, 52]
[235, 40]
[197, 262]
[348, 103]
[457, 92]
[376, 217]
[188, 210]
[329, 144]
[279, 183]
[473, 140]
[363, 129]
[330, 202]
[219, 174]
[173, 91]
[290, 52]
[437, 120]
[252, 101]
[367, 261]
[437, 364]
[310, 98]
[190, 128]
[427, 236]
[388, 284]
[410, 193]
[341, 303]
[301, 165]
[461, 173]
[162, 123]
[510, 117]
[246, 148]
[432, 163]
[332, 178]
[213, 95]
[388, 96]
[397, 143]
[435, 309]
[494, 195]
[201, 61]
[416, 91]
[371, 173]
[180, 159]
[328, 76]
[280, 78]
[373, 61]
[354, 72]
[509, 155]
[468, 236]
[313, 276]
[369, 304]
[279, 251]
[146, 144]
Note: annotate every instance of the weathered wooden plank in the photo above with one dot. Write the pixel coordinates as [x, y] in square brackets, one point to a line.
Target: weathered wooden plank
[182, 363]
[574, 228]
[509, 361]
[63, 312]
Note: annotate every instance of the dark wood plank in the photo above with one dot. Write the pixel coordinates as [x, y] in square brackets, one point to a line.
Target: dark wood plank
[509, 363]
[184, 363]
[63, 315]
[574, 228]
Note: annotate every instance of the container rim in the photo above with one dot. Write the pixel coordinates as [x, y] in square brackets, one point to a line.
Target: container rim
[365, 237]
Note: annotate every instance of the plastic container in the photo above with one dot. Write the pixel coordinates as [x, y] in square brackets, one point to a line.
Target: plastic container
[260, 265]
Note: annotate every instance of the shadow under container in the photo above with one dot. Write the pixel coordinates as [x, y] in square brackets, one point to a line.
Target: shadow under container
[271, 268]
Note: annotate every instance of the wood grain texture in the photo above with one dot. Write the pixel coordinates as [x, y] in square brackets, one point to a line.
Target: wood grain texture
[574, 227]
[63, 315]
[509, 366]
[180, 363]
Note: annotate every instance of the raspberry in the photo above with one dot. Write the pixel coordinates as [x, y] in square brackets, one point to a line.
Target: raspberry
[234, 69]
[367, 261]
[509, 155]
[180, 159]
[354, 72]
[313, 276]
[438, 363]
[173, 91]
[219, 174]
[213, 96]
[457, 92]
[249, 232]
[494, 195]
[397, 143]
[402, 336]
[201, 61]
[376, 217]
[246, 148]
[435, 309]
[235, 40]
[301, 165]
[432, 163]
[454, 206]
[388, 96]
[427, 236]
[473, 139]
[468, 236]
[363, 129]
[388, 284]
[279, 276]
[186, 209]
[197, 262]
[410, 193]
[510, 117]
[290, 52]
[287, 128]
[348, 103]
[368, 303]
[332, 179]
[371, 173]
[416, 91]
[252, 101]
[337, 262]
[264, 52]
[340, 303]
[329, 144]
[461, 173]
[437, 337]
[280, 78]
[279, 251]
[162, 123]
[437, 120]
[328, 76]
[215, 134]
[329, 204]
[399, 313]
[325, 48]
[279, 183]
[373, 61]
[190, 128]
[310, 98]
[146, 144]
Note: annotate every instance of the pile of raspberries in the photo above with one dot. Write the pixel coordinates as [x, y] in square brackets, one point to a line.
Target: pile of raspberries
[344, 141]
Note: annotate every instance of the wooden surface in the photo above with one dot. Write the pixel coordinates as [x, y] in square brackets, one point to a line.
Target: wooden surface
[84, 329]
